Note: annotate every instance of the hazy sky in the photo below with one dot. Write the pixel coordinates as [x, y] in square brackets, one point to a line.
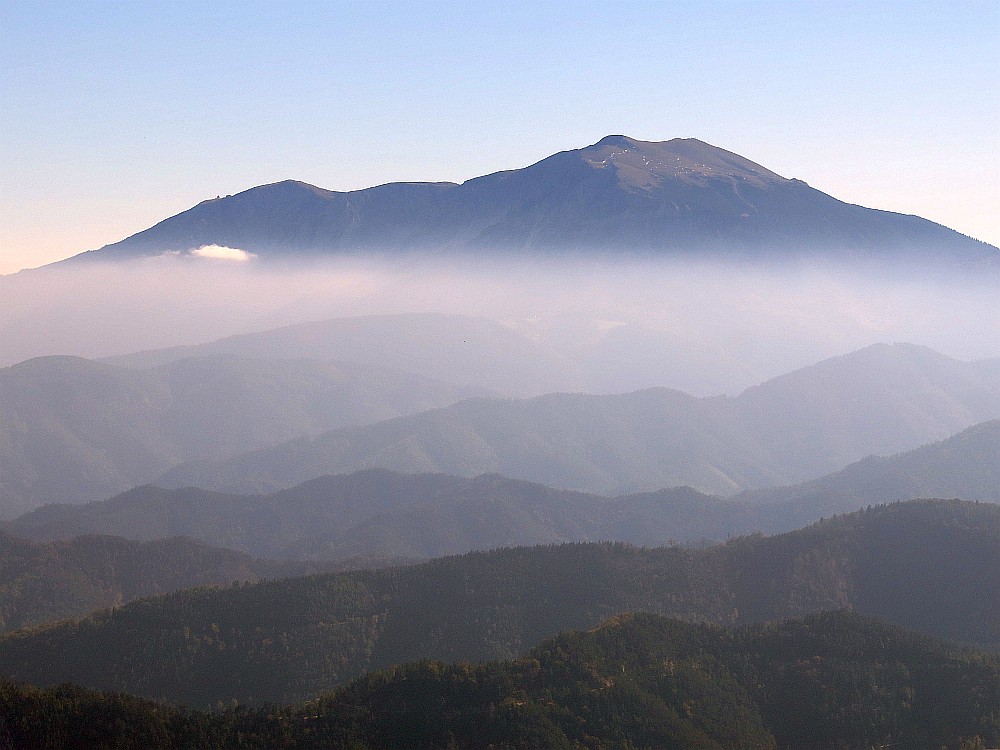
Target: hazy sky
[115, 115]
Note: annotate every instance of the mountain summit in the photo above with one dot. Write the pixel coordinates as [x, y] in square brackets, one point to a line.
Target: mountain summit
[620, 196]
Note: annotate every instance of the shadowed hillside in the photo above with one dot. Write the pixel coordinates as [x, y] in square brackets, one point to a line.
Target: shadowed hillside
[637, 681]
[926, 565]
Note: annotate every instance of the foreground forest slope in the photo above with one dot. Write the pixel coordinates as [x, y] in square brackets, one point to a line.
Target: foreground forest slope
[879, 400]
[926, 565]
[835, 680]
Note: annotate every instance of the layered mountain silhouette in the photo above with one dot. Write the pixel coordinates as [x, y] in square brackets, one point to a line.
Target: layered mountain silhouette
[925, 565]
[377, 515]
[879, 400]
[76, 429]
[620, 196]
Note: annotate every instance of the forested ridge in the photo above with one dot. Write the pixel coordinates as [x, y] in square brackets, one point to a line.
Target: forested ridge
[45, 581]
[836, 680]
[925, 565]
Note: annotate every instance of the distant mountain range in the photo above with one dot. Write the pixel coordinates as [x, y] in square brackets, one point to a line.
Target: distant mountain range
[966, 465]
[458, 349]
[74, 429]
[619, 197]
[380, 515]
[926, 565]
[879, 400]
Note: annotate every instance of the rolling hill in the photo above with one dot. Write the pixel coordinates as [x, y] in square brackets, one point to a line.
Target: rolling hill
[43, 582]
[637, 681]
[966, 465]
[458, 349]
[925, 565]
[380, 514]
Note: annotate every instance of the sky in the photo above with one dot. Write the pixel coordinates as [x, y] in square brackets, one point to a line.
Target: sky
[116, 115]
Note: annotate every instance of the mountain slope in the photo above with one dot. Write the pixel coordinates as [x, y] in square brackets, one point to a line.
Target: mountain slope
[927, 565]
[380, 514]
[794, 428]
[75, 430]
[641, 681]
[43, 582]
[459, 349]
[377, 513]
[966, 465]
[618, 196]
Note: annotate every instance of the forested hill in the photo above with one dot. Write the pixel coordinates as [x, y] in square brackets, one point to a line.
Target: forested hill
[927, 565]
[42, 582]
[637, 681]
[379, 513]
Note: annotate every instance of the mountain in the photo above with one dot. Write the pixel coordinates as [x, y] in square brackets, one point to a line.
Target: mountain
[381, 514]
[570, 354]
[384, 515]
[43, 582]
[636, 681]
[966, 465]
[925, 565]
[459, 349]
[793, 428]
[620, 196]
[75, 430]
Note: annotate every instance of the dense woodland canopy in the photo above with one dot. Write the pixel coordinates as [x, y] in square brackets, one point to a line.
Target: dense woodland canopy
[45, 581]
[928, 565]
[835, 681]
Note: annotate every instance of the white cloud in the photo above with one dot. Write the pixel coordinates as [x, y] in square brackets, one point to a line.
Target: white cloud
[221, 252]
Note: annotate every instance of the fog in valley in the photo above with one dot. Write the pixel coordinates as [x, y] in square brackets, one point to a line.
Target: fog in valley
[702, 326]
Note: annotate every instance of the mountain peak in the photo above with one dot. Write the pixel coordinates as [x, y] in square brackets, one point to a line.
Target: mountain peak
[616, 140]
[620, 195]
[642, 166]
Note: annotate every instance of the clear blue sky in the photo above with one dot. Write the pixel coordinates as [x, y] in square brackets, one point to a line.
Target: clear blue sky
[115, 115]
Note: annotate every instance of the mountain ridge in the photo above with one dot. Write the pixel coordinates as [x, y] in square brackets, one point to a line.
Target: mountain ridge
[800, 426]
[924, 565]
[387, 515]
[619, 196]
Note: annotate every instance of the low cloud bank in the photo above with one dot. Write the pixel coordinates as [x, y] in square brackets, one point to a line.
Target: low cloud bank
[632, 324]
